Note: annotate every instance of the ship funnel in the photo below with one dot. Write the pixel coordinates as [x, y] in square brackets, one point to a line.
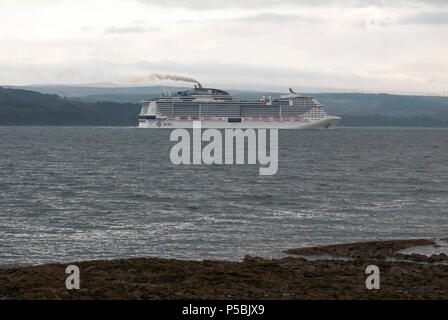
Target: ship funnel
[292, 91]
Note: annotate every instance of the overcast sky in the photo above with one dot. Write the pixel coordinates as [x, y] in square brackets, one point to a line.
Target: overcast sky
[267, 44]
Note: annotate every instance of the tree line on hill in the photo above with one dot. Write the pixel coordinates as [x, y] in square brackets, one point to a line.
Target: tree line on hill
[26, 107]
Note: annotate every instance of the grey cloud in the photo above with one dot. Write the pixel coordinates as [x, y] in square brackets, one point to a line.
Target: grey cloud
[266, 17]
[260, 4]
[133, 29]
[427, 18]
[279, 18]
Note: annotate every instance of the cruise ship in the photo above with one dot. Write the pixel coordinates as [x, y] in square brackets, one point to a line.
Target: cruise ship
[215, 108]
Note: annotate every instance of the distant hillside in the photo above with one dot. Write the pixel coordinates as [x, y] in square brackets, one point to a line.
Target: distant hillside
[356, 104]
[102, 107]
[359, 104]
[378, 120]
[75, 91]
[23, 107]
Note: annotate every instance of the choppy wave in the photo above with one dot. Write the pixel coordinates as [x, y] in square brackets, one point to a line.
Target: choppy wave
[75, 193]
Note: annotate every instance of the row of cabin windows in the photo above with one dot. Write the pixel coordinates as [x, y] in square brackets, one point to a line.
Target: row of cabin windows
[233, 111]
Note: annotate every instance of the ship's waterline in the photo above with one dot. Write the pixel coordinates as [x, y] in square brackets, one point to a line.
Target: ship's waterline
[326, 123]
[216, 109]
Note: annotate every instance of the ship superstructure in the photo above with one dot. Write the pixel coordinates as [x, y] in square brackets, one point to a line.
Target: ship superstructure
[216, 109]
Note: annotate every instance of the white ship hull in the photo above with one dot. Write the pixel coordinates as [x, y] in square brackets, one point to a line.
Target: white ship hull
[328, 122]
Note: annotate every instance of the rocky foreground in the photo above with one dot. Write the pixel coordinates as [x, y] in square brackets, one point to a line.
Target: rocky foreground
[253, 278]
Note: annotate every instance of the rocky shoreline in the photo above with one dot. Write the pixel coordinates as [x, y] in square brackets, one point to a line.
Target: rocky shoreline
[416, 277]
[379, 250]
